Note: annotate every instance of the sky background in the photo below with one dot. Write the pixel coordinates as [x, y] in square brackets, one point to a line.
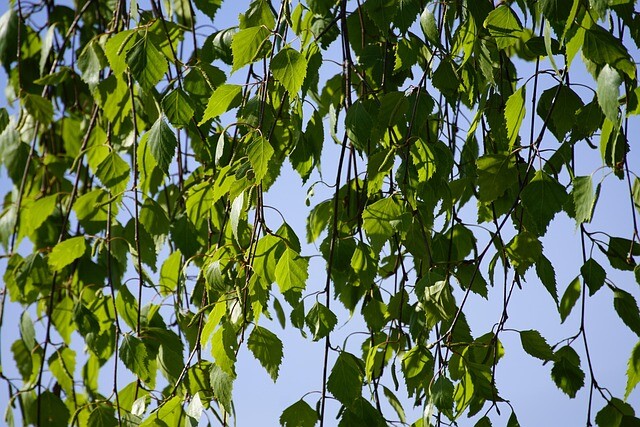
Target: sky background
[521, 378]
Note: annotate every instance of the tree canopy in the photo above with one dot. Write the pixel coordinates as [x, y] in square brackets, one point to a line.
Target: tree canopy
[152, 153]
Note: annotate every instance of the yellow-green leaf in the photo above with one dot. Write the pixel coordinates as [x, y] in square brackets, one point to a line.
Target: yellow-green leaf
[289, 67]
[66, 252]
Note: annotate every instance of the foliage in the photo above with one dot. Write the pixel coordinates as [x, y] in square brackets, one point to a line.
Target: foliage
[140, 145]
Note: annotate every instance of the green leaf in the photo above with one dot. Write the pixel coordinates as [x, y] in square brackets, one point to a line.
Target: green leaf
[593, 274]
[381, 12]
[62, 365]
[112, 94]
[291, 272]
[300, 414]
[320, 321]
[636, 193]
[162, 143]
[415, 360]
[569, 298]
[23, 358]
[446, 79]
[620, 253]
[364, 263]
[359, 124]
[543, 198]
[470, 278]
[90, 62]
[170, 273]
[558, 107]
[380, 220]
[213, 274]
[514, 112]
[566, 372]
[62, 318]
[103, 415]
[603, 48]
[247, 44]
[154, 218]
[504, 26]
[27, 330]
[114, 172]
[177, 106]
[41, 109]
[627, 308]
[170, 354]
[45, 50]
[146, 62]
[289, 67]
[169, 413]
[496, 173]
[429, 26]
[614, 413]
[117, 47]
[127, 307]
[66, 252]
[524, 251]
[92, 211]
[513, 420]
[8, 37]
[267, 348]
[222, 385]
[395, 403]
[259, 152]
[406, 15]
[208, 7]
[556, 11]
[535, 344]
[584, 198]
[268, 251]
[345, 380]
[609, 91]
[633, 371]
[135, 357]
[237, 211]
[222, 100]
[54, 412]
[259, 13]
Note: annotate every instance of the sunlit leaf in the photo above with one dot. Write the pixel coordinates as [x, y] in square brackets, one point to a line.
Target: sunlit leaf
[66, 252]
[246, 45]
[177, 106]
[222, 100]
[584, 198]
[290, 68]
[320, 321]
[259, 152]
[146, 62]
[609, 91]
[504, 26]
[291, 272]
[515, 112]
[162, 143]
[135, 357]
[267, 348]
[633, 371]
